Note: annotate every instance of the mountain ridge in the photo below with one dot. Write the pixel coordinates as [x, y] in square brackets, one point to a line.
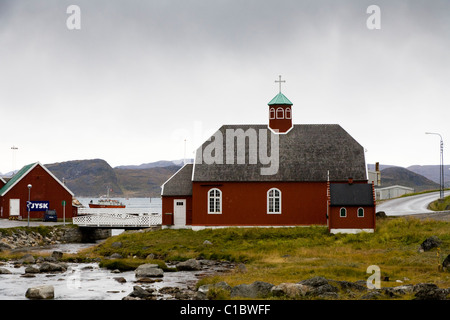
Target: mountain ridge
[94, 177]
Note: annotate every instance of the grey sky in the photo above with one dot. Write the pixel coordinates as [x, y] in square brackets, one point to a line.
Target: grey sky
[142, 76]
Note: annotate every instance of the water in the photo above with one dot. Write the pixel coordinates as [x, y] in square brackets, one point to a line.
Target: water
[87, 281]
[155, 204]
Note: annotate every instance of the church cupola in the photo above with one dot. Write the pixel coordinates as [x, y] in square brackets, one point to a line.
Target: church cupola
[280, 112]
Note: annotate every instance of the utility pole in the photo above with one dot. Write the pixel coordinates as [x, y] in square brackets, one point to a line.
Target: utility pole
[441, 169]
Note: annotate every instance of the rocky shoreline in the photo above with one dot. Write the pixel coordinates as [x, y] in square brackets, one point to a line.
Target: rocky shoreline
[313, 288]
[19, 238]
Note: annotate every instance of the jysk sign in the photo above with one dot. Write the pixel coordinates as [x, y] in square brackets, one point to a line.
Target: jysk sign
[38, 205]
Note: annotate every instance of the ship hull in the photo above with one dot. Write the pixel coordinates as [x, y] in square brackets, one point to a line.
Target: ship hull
[93, 205]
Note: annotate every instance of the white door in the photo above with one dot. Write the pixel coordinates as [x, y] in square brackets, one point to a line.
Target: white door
[14, 207]
[179, 212]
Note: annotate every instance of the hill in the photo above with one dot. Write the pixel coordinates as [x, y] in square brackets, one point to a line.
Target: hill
[92, 178]
[87, 177]
[137, 183]
[432, 172]
[400, 176]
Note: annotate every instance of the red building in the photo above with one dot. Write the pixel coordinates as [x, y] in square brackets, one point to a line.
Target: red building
[266, 175]
[352, 207]
[46, 193]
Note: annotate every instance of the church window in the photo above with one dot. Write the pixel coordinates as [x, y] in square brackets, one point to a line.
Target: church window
[280, 113]
[215, 201]
[360, 212]
[343, 213]
[288, 113]
[272, 113]
[274, 201]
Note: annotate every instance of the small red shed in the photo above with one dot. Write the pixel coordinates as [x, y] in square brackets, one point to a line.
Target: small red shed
[36, 183]
[351, 207]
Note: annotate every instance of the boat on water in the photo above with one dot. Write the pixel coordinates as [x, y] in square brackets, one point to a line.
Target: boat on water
[106, 203]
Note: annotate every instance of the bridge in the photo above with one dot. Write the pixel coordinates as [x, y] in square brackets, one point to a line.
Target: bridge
[117, 218]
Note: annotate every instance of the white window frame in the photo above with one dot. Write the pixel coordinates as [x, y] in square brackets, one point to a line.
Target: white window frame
[357, 212]
[288, 113]
[282, 112]
[274, 198]
[216, 204]
[272, 113]
[345, 211]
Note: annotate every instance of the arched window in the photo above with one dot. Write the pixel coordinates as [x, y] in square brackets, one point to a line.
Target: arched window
[274, 201]
[360, 212]
[288, 113]
[215, 201]
[343, 213]
[280, 113]
[272, 113]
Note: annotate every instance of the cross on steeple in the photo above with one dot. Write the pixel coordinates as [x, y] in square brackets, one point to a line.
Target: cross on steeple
[280, 81]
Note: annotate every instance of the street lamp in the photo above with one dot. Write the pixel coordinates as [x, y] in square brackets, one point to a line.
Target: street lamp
[441, 174]
[28, 206]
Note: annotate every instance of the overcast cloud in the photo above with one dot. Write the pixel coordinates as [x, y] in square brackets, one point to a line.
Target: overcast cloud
[142, 76]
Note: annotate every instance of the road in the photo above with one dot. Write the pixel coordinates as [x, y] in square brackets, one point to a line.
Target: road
[409, 205]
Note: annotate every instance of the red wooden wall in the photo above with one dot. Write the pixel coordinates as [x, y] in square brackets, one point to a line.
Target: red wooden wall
[167, 209]
[245, 204]
[44, 188]
[352, 221]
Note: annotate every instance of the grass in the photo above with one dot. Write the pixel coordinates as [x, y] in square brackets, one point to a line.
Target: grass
[440, 205]
[279, 255]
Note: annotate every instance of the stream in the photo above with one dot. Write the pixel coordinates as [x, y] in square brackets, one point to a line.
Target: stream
[85, 281]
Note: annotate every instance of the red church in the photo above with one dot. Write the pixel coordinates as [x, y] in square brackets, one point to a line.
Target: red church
[278, 174]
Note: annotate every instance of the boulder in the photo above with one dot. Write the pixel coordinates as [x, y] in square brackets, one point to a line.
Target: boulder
[116, 256]
[257, 289]
[314, 282]
[319, 287]
[446, 263]
[291, 290]
[57, 255]
[28, 258]
[41, 292]
[141, 293]
[430, 243]
[429, 291]
[52, 267]
[189, 265]
[148, 270]
[120, 279]
[381, 214]
[5, 271]
[31, 269]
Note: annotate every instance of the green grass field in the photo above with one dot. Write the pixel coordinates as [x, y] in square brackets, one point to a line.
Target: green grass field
[279, 255]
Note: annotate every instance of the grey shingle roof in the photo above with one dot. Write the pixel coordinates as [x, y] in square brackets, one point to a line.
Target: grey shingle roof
[306, 153]
[180, 184]
[356, 194]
